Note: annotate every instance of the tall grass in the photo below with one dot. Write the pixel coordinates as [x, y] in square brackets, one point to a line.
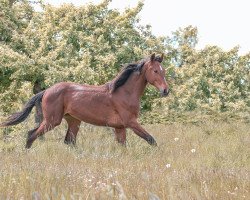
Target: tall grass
[203, 161]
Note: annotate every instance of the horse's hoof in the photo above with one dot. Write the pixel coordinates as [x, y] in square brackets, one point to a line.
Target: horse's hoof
[151, 141]
[28, 146]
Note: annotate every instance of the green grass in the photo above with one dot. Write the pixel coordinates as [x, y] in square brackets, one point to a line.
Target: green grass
[204, 161]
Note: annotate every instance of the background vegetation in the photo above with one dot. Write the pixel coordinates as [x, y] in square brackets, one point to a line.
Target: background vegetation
[88, 44]
[205, 159]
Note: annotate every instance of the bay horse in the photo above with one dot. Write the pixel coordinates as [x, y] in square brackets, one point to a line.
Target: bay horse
[115, 104]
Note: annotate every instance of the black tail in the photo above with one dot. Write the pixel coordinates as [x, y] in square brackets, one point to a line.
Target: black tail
[19, 117]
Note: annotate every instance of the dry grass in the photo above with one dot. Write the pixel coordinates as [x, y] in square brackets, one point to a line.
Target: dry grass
[205, 161]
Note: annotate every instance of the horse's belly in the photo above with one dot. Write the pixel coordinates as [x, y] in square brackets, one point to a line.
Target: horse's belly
[95, 110]
[100, 118]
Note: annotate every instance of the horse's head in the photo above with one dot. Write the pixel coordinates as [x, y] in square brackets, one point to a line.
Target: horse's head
[155, 74]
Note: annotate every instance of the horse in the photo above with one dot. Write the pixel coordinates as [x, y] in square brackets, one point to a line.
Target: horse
[114, 104]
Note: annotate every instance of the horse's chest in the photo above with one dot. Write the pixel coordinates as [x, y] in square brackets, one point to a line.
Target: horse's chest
[132, 106]
[128, 109]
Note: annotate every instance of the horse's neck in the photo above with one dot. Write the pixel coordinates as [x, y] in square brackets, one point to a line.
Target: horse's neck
[135, 85]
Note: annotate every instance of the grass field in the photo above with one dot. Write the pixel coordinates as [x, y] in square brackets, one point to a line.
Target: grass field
[192, 161]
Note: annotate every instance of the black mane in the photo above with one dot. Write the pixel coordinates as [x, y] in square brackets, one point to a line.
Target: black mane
[125, 73]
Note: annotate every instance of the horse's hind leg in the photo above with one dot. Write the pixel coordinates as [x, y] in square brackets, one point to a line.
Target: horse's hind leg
[32, 131]
[38, 117]
[73, 128]
[35, 133]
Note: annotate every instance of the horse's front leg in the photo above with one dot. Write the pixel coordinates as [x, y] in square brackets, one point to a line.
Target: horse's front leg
[120, 135]
[137, 128]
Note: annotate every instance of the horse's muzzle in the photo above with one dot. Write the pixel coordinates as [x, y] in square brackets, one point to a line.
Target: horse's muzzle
[164, 92]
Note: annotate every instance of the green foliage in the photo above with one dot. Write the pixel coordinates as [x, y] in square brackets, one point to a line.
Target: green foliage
[84, 44]
[88, 44]
[209, 81]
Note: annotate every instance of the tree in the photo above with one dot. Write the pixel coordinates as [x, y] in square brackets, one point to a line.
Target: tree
[84, 44]
[88, 44]
[209, 80]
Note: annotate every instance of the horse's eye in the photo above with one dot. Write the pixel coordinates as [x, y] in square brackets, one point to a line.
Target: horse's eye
[155, 71]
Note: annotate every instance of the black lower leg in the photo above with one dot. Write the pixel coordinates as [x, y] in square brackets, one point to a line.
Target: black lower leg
[31, 132]
[70, 138]
[30, 140]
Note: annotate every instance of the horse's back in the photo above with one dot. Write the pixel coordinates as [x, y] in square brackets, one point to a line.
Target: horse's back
[91, 104]
[56, 91]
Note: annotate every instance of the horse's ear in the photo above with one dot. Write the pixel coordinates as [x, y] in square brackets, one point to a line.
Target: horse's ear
[161, 58]
[152, 58]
